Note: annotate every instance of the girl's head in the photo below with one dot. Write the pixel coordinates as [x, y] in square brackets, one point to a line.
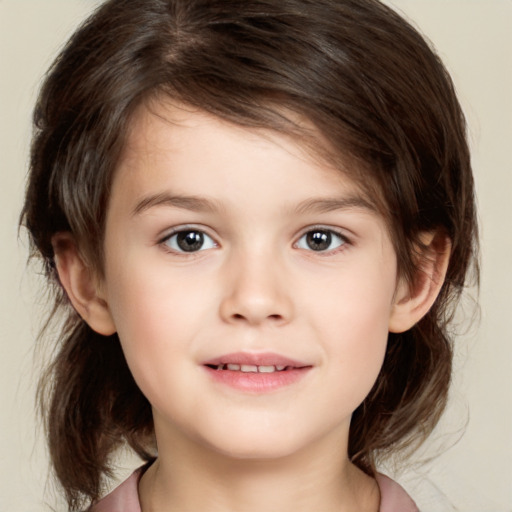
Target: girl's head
[347, 80]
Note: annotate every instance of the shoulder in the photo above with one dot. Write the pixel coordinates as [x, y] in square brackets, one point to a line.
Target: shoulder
[393, 497]
[124, 498]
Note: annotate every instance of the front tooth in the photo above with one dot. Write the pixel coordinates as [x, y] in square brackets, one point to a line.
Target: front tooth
[280, 368]
[248, 368]
[235, 367]
[266, 369]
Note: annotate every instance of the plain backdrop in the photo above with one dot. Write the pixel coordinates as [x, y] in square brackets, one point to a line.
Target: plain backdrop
[473, 474]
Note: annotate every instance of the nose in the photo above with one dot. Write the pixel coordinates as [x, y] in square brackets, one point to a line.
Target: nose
[256, 291]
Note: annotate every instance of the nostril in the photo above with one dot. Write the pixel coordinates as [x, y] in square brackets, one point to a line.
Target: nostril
[239, 316]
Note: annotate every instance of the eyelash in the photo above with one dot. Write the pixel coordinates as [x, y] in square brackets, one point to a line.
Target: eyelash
[164, 242]
[343, 240]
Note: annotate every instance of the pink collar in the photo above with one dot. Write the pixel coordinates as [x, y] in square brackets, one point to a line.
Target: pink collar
[125, 498]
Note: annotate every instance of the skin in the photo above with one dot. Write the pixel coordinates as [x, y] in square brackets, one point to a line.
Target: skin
[255, 286]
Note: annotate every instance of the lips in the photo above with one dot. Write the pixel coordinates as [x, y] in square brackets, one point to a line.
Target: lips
[250, 368]
[256, 373]
[258, 360]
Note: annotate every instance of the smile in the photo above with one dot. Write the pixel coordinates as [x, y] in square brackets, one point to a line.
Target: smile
[249, 368]
[256, 373]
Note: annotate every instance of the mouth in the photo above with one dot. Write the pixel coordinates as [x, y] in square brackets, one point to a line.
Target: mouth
[256, 373]
[249, 368]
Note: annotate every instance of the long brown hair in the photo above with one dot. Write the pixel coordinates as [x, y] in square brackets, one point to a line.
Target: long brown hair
[368, 83]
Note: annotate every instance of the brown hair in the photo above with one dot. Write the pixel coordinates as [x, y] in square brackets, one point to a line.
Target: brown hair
[357, 71]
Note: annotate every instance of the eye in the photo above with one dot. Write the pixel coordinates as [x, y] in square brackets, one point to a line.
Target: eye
[321, 240]
[189, 240]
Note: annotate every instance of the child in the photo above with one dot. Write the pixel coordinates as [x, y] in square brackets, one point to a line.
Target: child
[257, 217]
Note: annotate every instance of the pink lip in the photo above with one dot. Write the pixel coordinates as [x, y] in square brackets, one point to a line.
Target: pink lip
[252, 382]
[264, 359]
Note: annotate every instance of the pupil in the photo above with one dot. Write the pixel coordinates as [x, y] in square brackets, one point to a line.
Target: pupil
[319, 240]
[190, 241]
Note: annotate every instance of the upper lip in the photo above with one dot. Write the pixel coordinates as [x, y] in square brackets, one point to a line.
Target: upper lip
[263, 359]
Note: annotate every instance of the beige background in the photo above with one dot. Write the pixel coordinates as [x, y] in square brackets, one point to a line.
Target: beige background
[474, 38]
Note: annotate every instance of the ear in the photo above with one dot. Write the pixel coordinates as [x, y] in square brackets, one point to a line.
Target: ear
[81, 285]
[413, 300]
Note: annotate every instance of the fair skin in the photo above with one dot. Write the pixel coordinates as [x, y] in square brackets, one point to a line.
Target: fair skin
[225, 245]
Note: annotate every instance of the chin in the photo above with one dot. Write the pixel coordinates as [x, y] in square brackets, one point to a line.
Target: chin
[258, 444]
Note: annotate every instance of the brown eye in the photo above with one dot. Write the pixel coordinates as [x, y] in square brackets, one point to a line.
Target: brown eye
[190, 240]
[320, 240]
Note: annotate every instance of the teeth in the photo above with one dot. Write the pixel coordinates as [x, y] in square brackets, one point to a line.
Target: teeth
[250, 368]
[266, 369]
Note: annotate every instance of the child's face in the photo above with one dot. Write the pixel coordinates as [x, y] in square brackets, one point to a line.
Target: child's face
[225, 245]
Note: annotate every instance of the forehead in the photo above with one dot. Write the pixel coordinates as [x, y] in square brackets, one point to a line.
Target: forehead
[165, 124]
[172, 135]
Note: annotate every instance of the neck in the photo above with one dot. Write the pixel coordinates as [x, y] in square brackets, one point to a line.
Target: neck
[195, 478]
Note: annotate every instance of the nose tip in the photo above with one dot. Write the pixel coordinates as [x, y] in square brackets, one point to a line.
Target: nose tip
[255, 296]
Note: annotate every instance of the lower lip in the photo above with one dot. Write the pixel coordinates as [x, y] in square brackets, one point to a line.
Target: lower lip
[252, 382]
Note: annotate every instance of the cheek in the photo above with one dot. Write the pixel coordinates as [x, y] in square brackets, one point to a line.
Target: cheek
[149, 302]
[156, 319]
[354, 325]
[356, 305]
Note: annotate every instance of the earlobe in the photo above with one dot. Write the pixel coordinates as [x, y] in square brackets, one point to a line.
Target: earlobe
[413, 300]
[80, 285]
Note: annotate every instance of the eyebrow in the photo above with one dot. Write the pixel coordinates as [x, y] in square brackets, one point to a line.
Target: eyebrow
[193, 203]
[325, 205]
[202, 204]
